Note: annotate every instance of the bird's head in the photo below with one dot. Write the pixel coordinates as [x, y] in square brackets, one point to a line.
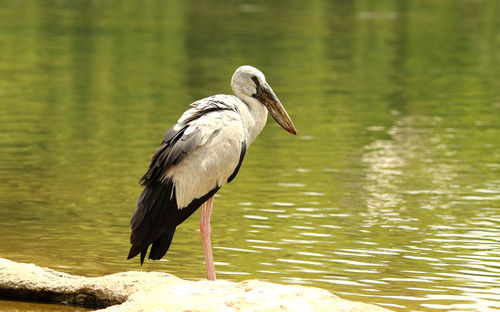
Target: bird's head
[249, 82]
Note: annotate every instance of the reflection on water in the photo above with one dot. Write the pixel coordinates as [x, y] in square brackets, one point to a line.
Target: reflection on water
[390, 194]
[16, 306]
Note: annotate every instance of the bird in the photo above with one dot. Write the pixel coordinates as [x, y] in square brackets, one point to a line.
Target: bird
[203, 151]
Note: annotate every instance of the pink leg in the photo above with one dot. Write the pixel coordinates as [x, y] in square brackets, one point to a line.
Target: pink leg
[206, 211]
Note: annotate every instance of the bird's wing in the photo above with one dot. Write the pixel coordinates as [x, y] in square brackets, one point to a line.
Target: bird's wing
[220, 139]
[207, 119]
[196, 157]
[163, 158]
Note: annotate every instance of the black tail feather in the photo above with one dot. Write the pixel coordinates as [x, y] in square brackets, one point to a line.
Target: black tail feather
[156, 218]
[161, 245]
[135, 250]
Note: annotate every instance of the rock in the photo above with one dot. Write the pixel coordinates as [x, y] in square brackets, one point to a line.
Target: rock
[154, 291]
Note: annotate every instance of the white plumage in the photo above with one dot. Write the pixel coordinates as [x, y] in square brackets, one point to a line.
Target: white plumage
[198, 155]
[221, 134]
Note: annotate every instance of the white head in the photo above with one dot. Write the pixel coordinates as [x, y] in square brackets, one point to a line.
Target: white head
[243, 81]
[250, 83]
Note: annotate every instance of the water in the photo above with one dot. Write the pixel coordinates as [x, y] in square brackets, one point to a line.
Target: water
[390, 194]
[17, 306]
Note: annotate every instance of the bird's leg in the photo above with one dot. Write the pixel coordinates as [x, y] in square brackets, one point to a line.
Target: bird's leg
[206, 211]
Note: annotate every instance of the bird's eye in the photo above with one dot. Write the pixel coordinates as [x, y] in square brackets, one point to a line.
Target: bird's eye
[257, 86]
[256, 81]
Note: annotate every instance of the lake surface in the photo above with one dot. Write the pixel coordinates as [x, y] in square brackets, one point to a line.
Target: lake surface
[390, 194]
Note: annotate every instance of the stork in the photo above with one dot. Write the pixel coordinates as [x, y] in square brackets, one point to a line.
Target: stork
[198, 155]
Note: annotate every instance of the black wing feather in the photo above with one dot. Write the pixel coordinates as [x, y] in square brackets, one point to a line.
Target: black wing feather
[158, 160]
[156, 216]
[158, 225]
[242, 155]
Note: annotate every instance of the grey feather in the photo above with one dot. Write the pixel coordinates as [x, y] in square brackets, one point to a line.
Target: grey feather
[181, 148]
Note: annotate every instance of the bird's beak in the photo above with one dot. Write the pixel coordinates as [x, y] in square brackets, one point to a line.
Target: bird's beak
[274, 106]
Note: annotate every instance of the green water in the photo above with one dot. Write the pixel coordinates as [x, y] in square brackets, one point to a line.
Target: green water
[390, 194]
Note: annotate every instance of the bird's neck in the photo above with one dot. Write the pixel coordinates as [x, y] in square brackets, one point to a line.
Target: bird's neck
[255, 117]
